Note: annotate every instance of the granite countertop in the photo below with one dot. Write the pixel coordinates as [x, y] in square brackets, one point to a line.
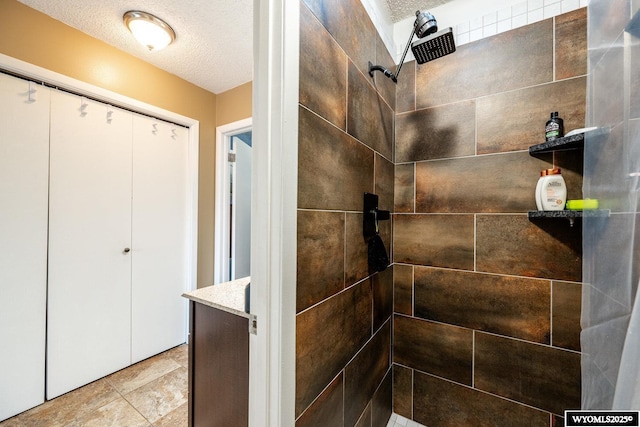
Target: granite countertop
[227, 296]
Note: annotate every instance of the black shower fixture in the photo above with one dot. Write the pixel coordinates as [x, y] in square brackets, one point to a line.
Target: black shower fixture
[432, 44]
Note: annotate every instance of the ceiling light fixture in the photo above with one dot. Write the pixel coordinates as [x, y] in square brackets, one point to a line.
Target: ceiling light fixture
[151, 31]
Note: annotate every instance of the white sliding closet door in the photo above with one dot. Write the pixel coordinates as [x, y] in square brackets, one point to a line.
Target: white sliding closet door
[89, 319]
[159, 233]
[24, 163]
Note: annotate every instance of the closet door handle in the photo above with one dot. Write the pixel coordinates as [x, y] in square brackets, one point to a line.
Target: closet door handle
[126, 250]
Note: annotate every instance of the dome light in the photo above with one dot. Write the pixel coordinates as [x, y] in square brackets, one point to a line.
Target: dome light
[151, 31]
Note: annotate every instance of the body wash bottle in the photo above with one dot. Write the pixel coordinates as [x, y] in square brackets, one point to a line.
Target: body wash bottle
[551, 191]
[554, 128]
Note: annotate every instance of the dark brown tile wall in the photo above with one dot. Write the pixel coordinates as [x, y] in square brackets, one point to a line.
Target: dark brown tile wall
[356, 267]
[365, 373]
[437, 240]
[478, 184]
[475, 279]
[381, 404]
[567, 304]
[320, 266]
[369, 117]
[511, 244]
[506, 305]
[384, 183]
[323, 84]
[538, 375]
[571, 44]
[328, 335]
[403, 289]
[442, 350]
[386, 234]
[515, 120]
[404, 188]
[365, 419]
[349, 24]
[345, 148]
[382, 284]
[436, 133]
[328, 408]
[405, 89]
[464, 249]
[403, 391]
[446, 404]
[557, 421]
[384, 85]
[334, 168]
[512, 60]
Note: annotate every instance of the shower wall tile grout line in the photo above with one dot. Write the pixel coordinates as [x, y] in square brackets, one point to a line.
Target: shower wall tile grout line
[473, 359]
[488, 273]
[551, 312]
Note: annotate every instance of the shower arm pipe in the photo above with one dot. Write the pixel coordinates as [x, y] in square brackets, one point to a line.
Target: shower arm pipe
[388, 73]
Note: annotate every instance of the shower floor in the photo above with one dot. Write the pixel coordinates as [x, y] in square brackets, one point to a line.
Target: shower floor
[400, 421]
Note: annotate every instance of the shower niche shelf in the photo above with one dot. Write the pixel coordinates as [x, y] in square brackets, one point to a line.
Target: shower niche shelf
[599, 213]
[573, 142]
[570, 215]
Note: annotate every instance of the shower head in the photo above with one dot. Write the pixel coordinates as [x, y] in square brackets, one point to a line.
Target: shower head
[433, 46]
[424, 24]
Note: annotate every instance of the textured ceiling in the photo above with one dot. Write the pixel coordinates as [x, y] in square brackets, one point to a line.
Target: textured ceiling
[214, 44]
[213, 47]
[401, 9]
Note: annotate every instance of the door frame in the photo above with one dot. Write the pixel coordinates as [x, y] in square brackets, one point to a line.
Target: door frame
[222, 217]
[274, 203]
[31, 71]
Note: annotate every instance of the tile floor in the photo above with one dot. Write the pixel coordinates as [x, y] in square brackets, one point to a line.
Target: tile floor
[400, 421]
[150, 393]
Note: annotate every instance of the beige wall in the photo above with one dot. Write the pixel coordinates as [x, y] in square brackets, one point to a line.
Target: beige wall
[234, 104]
[36, 38]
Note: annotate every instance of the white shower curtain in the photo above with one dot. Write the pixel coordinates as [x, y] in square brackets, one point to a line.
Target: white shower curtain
[611, 245]
[627, 395]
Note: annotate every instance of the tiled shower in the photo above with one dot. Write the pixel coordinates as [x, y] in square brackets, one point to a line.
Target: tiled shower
[477, 320]
[343, 325]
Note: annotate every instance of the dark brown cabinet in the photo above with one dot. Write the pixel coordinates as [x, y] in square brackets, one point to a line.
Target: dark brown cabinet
[218, 367]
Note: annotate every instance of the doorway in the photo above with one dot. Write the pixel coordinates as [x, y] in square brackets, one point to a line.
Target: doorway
[233, 201]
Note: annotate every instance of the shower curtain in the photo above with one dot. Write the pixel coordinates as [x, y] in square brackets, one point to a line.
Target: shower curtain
[611, 265]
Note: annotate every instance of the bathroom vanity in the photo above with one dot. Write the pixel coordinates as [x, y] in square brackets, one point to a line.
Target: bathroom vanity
[219, 325]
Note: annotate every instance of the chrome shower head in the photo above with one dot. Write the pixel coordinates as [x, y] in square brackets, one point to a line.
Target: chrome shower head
[433, 46]
[424, 24]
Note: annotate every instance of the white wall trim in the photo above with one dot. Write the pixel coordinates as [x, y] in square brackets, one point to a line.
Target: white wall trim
[272, 361]
[222, 217]
[25, 69]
